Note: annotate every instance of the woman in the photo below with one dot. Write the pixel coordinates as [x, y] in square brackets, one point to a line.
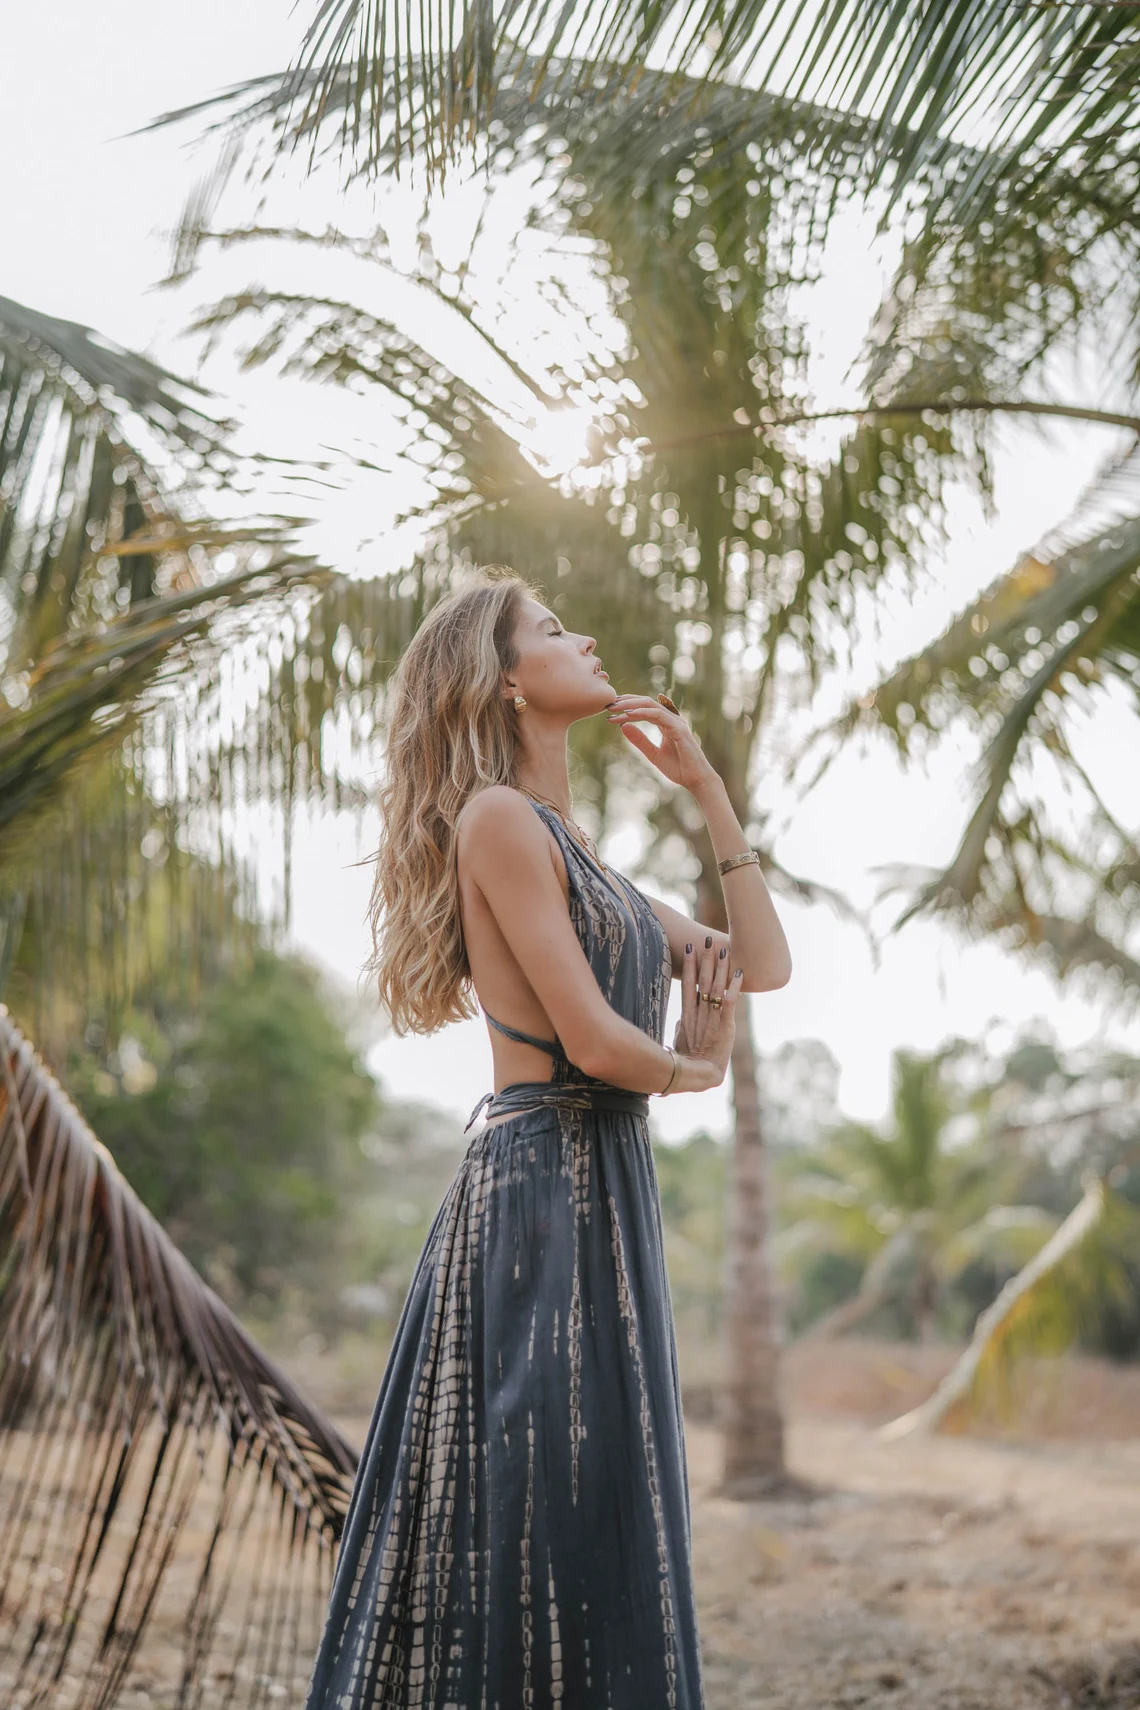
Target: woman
[518, 1535]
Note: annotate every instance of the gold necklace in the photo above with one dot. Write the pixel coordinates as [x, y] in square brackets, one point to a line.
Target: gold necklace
[571, 825]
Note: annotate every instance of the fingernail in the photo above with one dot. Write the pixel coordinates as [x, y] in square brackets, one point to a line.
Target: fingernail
[688, 949]
[723, 952]
[708, 942]
[738, 973]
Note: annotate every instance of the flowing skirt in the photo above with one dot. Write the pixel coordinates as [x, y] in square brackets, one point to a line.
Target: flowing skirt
[518, 1536]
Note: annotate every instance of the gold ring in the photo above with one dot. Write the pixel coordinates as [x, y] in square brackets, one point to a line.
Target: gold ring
[701, 998]
[715, 1002]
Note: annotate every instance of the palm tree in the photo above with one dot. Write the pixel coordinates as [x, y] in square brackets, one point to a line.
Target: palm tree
[1056, 637]
[713, 567]
[914, 1204]
[1080, 1121]
[1061, 1292]
[712, 147]
[155, 1465]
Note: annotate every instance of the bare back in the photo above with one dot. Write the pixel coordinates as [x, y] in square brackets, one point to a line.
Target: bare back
[501, 986]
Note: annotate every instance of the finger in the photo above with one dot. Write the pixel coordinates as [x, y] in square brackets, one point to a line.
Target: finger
[690, 1008]
[706, 963]
[644, 744]
[650, 701]
[650, 713]
[727, 1010]
[689, 981]
[706, 967]
[720, 972]
[729, 996]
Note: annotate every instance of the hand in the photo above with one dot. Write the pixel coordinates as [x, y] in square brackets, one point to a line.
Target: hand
[678, 755]
[706, 1030]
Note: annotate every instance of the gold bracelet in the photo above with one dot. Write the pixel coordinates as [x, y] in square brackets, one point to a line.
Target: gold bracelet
[673, 1076]
[738, 861]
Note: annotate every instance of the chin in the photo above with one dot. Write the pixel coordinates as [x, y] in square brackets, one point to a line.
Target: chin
[593, 702]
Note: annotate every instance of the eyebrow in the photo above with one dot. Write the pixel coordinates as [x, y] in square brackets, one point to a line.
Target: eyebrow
[548, 618]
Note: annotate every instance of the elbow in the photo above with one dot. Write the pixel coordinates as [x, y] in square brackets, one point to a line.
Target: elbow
[595, 1053]
[593, 1060]
[771, 979]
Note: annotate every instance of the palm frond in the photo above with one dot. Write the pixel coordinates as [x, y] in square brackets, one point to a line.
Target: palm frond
[388, 77]
[134, 866]
[1046, 637]
[1040, 1310]
[146, 697]
[90, 689]
[100, 451]
[159, 1475]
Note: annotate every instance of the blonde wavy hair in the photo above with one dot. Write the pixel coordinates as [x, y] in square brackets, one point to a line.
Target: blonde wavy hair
[451, 734]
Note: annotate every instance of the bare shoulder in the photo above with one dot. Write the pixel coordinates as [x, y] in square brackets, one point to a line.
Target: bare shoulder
[497, 811]
[499, 829]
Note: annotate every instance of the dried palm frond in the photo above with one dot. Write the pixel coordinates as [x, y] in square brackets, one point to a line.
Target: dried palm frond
[169, 1500]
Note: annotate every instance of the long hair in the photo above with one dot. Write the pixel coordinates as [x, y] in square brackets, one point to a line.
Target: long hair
[451, 734]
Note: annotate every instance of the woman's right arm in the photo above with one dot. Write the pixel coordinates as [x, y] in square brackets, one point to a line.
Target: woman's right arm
[506, 852]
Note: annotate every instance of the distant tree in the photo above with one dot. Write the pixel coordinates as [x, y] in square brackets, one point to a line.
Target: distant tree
[238, 1124]
[908, 1206]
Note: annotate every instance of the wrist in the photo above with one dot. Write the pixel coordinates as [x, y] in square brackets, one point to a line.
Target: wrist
[696, 1074]
[710, 785]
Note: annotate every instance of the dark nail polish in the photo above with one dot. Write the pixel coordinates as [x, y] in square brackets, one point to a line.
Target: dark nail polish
[708, 942]
[723, 952]
[688, 949]
[738, 973]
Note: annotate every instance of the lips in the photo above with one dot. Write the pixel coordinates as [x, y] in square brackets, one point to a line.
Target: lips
[598, 672]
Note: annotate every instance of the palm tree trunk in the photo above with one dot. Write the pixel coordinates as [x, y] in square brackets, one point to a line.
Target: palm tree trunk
[753, 1421]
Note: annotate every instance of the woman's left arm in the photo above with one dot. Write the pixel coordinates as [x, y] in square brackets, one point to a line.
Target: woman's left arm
[757, 940]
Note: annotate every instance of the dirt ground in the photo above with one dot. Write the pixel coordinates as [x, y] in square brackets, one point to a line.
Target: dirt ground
[994, 1571]
[953, 1575]
[947, 1573]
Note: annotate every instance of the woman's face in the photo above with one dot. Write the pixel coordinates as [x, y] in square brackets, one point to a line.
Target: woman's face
[557, 670]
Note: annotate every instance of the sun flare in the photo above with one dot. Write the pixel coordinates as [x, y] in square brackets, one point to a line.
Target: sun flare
[560, 439]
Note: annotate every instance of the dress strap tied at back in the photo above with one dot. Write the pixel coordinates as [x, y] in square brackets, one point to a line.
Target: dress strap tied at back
[554, 1046]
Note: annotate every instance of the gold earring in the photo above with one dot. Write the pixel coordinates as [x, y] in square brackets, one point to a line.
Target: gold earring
[520, 702]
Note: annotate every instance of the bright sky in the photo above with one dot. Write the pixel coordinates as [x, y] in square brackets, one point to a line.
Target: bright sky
[85, 223]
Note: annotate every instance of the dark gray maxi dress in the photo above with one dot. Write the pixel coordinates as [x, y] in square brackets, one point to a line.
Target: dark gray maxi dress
[518, 1535]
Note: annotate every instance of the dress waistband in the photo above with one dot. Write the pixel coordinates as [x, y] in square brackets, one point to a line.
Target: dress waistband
[576, 1095]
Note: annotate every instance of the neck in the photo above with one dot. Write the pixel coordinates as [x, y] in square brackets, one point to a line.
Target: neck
[541, 763]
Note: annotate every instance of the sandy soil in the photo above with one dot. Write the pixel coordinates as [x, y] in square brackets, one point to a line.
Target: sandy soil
[995, 1571]
[950, 1574]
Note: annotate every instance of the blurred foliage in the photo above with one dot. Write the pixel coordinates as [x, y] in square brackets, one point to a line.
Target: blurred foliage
[120, 599]
[912, 1204]
[245, 1118]
[238, 1121]
[913, 1229]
